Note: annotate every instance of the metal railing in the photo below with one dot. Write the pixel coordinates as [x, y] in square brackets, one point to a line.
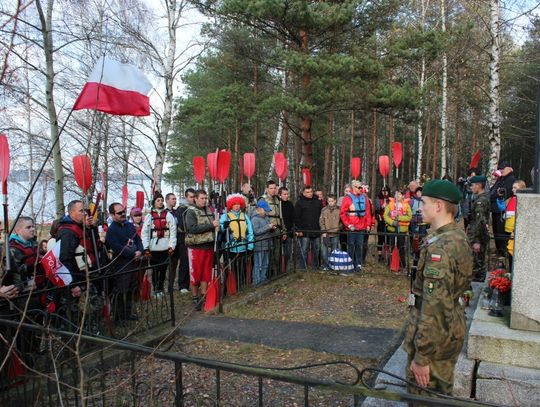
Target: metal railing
[75, 382]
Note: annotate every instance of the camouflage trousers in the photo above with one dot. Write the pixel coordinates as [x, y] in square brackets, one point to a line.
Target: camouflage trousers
[441, 379]
[480, 263]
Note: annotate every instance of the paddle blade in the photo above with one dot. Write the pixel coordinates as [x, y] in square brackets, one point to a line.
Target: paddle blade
[249, 165]
[306, 176]
[83, 172]
[139, 199]
[280, 165]
[211, 160]
[146, 289]
[124, 195]
[394, 261]
[211, 296]
[223, 165]
[231, 283]
[384, 165]
[198, 169]
[4, 159]
[475, 160]
[397, 153]
[356, 164]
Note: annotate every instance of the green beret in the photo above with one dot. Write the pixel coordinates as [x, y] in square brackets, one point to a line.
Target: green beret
[478, 178]
[442, 189]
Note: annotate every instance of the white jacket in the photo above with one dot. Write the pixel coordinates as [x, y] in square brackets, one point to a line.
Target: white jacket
[150, 240]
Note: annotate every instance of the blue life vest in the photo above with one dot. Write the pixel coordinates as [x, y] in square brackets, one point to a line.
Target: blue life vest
[359, 203]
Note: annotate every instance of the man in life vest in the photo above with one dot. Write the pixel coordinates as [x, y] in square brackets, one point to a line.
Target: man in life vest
[398, 215]
[275, 216]
[355, 214]
[26, 272]
[77, 251]
[477, 230]
[201, 228]
[159, 241]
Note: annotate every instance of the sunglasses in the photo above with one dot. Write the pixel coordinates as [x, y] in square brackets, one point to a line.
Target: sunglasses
[120, 213]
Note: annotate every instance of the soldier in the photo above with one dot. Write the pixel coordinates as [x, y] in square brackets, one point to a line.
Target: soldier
[477, 231]
[436, 328]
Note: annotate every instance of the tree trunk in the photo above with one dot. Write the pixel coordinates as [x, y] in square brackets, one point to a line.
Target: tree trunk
[391, 137]
[305, 121]
[173, 13]
[374, 152]
[429, 140]
[444, 99]
[435, 150]
[421, 83]
[328, 154]
[48, 49]
[494, 102]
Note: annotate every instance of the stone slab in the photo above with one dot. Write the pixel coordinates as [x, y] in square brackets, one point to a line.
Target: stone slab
[525, 312]
[492, 340]
[508, 385]
[372, 343]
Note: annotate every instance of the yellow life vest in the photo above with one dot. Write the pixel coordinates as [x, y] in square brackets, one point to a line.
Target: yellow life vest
[238, 225]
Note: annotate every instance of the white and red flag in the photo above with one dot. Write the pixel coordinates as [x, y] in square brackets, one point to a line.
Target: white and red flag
[55, 271]
[115, 88]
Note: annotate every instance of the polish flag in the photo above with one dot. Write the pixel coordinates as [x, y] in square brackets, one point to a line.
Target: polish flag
[55, 271]
[115, 88]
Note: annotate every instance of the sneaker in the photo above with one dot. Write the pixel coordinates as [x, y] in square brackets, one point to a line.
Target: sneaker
[359, 268]
[158, 295]
[325, 269]
[196, 303]
[184, 291]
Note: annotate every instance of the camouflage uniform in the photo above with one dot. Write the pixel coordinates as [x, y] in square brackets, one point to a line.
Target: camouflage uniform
[477, 232]
[437, 327]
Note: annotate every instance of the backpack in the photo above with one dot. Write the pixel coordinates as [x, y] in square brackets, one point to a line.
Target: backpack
[340, 261]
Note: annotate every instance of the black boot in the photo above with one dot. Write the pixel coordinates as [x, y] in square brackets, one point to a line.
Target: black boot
[196, 303]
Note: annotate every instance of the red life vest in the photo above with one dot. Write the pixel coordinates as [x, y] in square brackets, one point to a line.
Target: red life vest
[159, 220]
[30, 259]
[85, 243]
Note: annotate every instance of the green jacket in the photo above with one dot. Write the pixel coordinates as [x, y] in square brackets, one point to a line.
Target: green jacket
[436, 328]
[477, 231]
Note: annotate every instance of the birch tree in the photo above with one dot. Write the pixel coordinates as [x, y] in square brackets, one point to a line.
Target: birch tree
[444, 92]
[494, 101]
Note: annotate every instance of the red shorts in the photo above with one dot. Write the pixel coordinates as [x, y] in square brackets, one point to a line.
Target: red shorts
[201, 262]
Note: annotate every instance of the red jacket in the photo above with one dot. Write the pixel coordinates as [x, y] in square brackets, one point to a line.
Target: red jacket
[350, 219]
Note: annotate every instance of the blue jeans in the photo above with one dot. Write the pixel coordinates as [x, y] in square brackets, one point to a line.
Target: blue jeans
[355, 246]
[329, 244]
[305, 243]
[260, 267]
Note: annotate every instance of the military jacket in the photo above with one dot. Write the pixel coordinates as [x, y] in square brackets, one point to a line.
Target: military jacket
[199, 227]
[477, 231]
[275, 214]
[436, 328]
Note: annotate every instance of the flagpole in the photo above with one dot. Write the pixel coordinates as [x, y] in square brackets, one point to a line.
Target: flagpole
[39, 172]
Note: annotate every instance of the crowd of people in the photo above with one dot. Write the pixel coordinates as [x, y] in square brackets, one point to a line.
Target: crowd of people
[182, 246]
[186, 237]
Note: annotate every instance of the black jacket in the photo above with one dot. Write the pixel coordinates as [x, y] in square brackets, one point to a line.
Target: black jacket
[307, 212]
[503, 185]
[287, 209]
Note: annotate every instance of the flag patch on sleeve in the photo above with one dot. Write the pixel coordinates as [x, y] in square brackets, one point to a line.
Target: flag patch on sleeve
[436, 258]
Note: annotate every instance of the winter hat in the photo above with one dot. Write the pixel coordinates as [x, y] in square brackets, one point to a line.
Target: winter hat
[135, 212]
[234, 199]
[264, 205]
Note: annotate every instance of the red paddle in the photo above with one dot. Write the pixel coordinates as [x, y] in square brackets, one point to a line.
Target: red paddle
[231, 283]
[249, 165]
[394, 260]
[306, 176]
[4, 172]
[356, 164]
[280, 165]
[139, 199]
[198, 170]
[124, 196]
[475, 160]
[384, 167]
[397, 155]
[83, 172]
[212, 160]
[223, 165]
